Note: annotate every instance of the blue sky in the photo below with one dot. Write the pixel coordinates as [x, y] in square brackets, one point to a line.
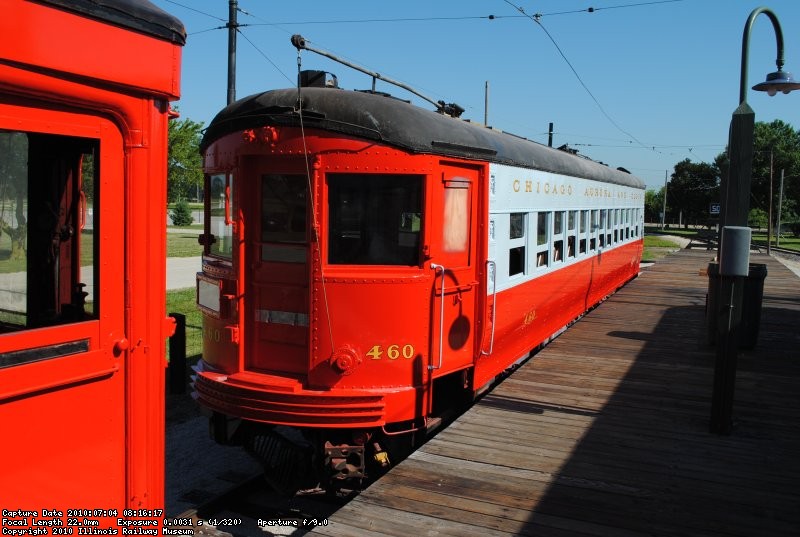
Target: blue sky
[662, 76]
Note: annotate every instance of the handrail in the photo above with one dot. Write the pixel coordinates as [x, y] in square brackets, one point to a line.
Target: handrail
[58, 383]
[228, 220]
[436, 267]
[82, 206]
[494, 303]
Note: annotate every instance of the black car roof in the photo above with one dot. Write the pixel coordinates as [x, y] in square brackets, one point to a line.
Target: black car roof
[406, 126]
[139, 15]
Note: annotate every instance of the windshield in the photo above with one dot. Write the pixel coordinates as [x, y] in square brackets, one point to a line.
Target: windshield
[374, 219]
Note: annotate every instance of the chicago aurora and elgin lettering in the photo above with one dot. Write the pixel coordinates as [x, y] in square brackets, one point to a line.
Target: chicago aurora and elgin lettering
[566, 188]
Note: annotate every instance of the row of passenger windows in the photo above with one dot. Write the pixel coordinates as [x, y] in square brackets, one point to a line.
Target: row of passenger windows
[565, 235]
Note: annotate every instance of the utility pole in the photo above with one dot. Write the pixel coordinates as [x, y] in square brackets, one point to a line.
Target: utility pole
[769, 221]
[664, 208]
[550, 135]
[486, 104]
[233, 26]
[780, 206]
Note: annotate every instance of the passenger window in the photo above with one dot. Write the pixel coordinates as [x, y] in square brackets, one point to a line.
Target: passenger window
[583, 217]
[627, 223]
[558, 236]
[602, 228]
[516, 254]
[542, 239]
[570, 234]
[376, 219]
[517, 228]
[558, 247]
[541, 229]
[48, 268]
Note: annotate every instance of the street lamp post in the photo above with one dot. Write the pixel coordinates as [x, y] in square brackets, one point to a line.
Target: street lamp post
[733, 255]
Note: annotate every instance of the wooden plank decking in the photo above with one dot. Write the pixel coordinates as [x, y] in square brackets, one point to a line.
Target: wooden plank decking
[606, 431]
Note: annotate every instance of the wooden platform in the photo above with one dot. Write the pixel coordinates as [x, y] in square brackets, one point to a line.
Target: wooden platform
[606, 431]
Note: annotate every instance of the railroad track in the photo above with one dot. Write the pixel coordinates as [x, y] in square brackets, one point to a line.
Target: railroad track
[793, 254]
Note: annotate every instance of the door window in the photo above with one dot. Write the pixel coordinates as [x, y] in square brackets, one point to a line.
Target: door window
[283, 208]
[48, 252]
[283, 218]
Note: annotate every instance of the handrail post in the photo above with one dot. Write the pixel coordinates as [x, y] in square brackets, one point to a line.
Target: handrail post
[491, 263]
[436, 267]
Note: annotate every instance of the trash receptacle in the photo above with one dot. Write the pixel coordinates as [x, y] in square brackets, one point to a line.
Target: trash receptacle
[752, 297]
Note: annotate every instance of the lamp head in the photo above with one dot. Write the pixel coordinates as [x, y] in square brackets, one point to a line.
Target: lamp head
[778, 81]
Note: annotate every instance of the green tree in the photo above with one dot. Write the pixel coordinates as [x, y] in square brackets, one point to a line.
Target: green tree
[184, 165]
[757, 218]
[181, 213]
[776, 147]
[692, 188]
[14, 190]
[653, 205]
[87, 176]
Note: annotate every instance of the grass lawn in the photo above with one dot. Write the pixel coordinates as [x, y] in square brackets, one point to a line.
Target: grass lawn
[7, 265]
[787, 241]
[678, 231]
[183, 245]
[183, 301]
[654, 241]
[178, 245]
[656, 247]
[759, 236]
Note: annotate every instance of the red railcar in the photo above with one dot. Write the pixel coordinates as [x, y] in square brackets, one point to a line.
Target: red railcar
[84, 103]
[370, 265]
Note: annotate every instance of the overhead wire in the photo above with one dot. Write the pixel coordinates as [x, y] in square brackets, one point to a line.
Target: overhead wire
[596, 9]
[265, 56]
[190, 8]
[452, 18]
[538, 21]
[535, 18]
